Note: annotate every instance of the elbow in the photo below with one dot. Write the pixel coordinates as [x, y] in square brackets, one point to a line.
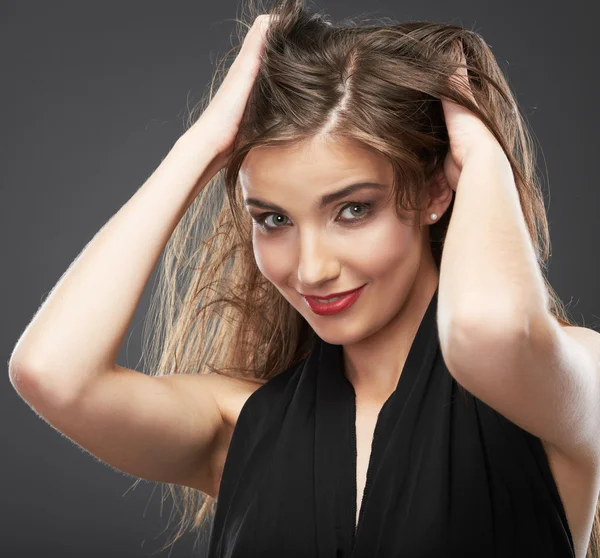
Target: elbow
[493, 323]
[21, 376]
[478, 321]
[39, 387]
[487, 334]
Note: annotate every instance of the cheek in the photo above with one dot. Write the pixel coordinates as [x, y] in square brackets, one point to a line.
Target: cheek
[271, 260]
[381, 248]
[378, 249]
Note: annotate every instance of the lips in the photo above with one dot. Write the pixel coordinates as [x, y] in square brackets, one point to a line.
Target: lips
[334, 295]
[341, 302]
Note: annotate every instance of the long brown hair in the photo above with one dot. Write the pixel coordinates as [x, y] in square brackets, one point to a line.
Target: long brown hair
[380, 85]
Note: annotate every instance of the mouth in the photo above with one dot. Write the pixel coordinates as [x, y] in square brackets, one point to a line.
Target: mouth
[333, 304]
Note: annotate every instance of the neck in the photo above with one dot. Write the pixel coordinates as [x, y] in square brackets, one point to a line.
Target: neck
[374, 364]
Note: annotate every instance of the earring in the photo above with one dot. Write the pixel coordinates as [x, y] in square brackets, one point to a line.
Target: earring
[433, 216]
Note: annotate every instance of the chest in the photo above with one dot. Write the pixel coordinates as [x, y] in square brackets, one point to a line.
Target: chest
[410, 446]
[366, 420]
[576, 487]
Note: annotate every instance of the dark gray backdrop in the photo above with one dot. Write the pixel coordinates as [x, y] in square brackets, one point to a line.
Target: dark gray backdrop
[93, 96]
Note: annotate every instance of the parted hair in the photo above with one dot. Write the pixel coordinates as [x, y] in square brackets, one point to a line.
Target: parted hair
[375, 83]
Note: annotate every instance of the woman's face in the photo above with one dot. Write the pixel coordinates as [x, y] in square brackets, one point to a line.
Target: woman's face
[303, 246]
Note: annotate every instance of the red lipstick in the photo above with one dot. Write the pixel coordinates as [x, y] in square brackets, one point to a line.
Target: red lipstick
[328, 308]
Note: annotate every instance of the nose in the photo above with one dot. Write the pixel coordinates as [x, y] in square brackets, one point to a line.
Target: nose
[317, 263]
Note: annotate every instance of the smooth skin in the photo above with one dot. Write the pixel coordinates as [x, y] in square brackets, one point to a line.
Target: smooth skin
[173, 428]
[176, 429]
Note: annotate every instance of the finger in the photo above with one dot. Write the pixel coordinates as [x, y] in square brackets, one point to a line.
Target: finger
[460, 78]
[266, 20]
[254, 42]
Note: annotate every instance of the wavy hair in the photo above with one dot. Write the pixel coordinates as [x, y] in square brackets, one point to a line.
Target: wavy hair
[377, 84]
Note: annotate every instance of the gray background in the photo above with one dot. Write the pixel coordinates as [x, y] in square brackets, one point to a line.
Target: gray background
[93, 96]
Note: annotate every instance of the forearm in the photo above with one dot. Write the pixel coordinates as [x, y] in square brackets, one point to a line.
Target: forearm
[81, 325]
[488, 265]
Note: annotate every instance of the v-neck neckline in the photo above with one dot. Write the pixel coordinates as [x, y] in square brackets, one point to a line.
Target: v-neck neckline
[335, 469]
[443, 469]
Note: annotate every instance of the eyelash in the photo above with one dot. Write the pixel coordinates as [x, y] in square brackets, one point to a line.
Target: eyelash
[260, 220]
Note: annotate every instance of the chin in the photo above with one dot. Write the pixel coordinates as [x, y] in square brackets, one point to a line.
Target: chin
[338, 332]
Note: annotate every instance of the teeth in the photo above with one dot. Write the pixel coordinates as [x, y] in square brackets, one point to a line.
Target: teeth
[329, 300]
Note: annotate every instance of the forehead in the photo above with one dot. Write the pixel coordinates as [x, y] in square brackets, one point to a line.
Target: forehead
[318, 164]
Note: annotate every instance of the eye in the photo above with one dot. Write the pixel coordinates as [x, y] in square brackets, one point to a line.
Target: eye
[353, 205]
[264, 216]
[366, 211]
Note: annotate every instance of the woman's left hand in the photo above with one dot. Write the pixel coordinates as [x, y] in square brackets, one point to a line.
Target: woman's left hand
[469, 136]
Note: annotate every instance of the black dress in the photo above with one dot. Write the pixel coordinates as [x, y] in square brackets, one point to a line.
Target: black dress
[448, 476]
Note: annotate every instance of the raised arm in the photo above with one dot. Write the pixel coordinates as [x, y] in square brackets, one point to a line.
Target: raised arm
[164, 428]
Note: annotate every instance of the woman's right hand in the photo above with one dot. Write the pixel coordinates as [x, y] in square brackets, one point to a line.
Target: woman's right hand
[219, 123]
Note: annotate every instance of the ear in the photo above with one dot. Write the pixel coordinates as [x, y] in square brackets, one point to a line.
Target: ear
[440, 195]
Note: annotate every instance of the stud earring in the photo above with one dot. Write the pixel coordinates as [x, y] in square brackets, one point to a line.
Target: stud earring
[433, 216]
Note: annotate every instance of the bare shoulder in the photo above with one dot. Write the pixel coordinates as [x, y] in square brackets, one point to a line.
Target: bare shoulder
[231, 393]
[586, 335]
[587, 331]
[590, 340]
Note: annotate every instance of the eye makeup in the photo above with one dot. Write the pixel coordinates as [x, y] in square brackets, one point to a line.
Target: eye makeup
[367, 209]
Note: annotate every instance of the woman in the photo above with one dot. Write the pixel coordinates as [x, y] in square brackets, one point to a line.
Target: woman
[362, 159]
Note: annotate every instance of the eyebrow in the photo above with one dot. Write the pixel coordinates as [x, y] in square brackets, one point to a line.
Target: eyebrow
[324, 201]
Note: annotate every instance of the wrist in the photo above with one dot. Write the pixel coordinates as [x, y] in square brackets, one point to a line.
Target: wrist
[198, 151]
[493, 154]
[489, 159]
